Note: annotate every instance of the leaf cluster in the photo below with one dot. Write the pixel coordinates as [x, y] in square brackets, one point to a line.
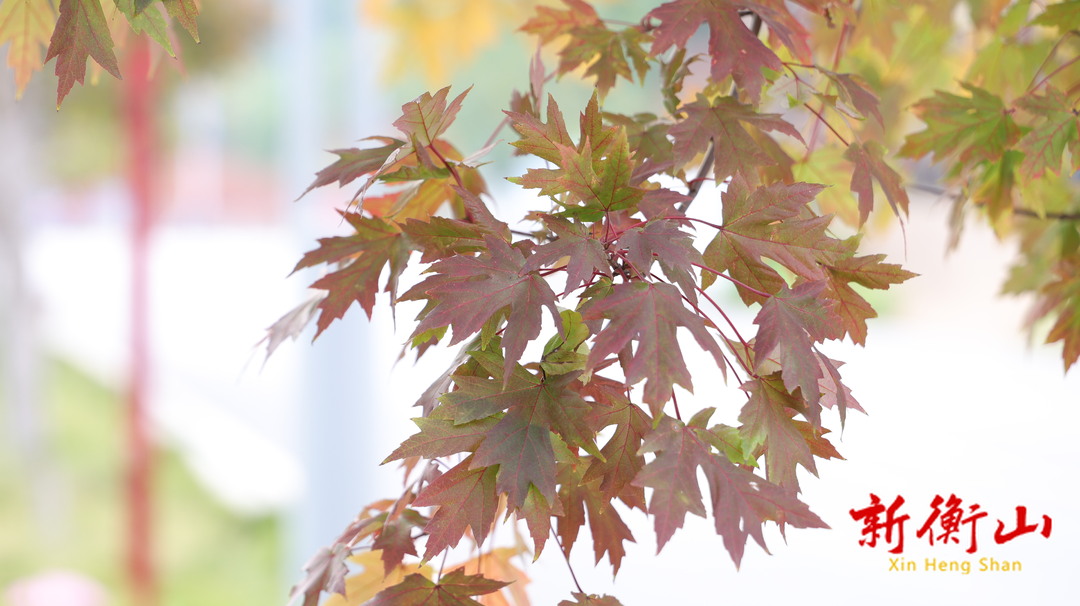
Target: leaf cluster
[562, 409]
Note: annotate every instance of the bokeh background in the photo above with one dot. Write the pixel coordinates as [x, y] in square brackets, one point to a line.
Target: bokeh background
[259, 462]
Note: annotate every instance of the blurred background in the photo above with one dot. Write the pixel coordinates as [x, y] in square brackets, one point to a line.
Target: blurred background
[259, 462]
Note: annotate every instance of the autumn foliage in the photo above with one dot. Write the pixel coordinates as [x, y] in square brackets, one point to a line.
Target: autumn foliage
[651, 235]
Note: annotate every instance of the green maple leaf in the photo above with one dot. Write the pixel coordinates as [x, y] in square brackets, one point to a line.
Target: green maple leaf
[724, 122]
[466, 292]
[376, 244]
[1063, 15]
[542, 139]
[1058, 127]
[151, 22]
[466, 498]
[428, 116]
[648, 313]
[769, 222]
[453, 589]
[185, 12]
[81, 32]
[974, 128]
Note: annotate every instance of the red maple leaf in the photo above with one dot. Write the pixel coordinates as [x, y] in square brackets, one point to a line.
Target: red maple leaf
[648, 313]
[734, 50]
[741, 501]
[81, 32]
[870, 163]
[584, 254]
[790, 322]
[466, 498]
[769, 222]
[363, 256]
[467, 292]
[724, 122]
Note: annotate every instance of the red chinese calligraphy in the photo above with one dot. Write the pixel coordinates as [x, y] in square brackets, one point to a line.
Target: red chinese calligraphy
[1022, 527]
[873, 524]
[950, 521]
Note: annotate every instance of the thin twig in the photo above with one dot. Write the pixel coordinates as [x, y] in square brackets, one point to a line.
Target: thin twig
[566, 557]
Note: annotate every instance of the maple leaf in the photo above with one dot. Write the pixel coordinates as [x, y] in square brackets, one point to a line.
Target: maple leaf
[767, 423]
[354, 163]
[1062, 295]
[439, 237]
[582, 599]
[520, 443]
[442, 437]
[735, 50]
[81, 32]
[375, 245]
[790, 322]
[1059, 127]
[1063, 15]
[185, 12]
[833, 392]
[724, 122]
[741, 501]
[608, 530]
[425, 118]
[395, 539]
[498, 564]
[326, 569]
[648, 313]
[540, 139]
[466, 498]
[856, 92]
[768, 223]
[362, 586]
[551, 23]
[867, 271]
[869, 163]
[27, 24]
[589, 42]
[975, 128]
[453, 589]
[151, 22]
[468, 291]
[584, 253]
[672, 247]
[621, 460]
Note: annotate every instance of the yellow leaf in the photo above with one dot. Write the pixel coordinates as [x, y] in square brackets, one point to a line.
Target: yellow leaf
[442, 35]
[496, 565]
[359, 588]
[28, 25]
